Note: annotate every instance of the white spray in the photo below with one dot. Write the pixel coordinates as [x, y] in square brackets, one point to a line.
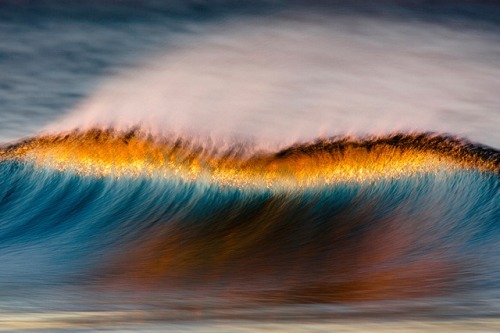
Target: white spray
[280, 80]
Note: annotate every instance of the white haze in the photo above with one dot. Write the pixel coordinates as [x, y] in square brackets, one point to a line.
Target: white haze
[280, 80]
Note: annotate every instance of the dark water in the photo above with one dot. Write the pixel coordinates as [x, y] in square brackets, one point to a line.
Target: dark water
[103, 251]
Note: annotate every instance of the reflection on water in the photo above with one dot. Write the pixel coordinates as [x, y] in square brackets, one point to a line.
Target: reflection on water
[82, 310]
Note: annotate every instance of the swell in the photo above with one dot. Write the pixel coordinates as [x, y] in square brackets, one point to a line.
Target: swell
[405, 215]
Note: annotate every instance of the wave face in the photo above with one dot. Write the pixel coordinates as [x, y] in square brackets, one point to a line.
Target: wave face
[344, 219]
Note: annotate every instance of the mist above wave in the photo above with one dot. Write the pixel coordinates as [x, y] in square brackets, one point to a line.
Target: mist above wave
[295, 77]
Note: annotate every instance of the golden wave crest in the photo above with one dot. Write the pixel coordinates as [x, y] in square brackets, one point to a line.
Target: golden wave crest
[105, 153]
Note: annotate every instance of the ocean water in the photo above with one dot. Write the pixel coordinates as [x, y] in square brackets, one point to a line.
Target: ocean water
[249, 166]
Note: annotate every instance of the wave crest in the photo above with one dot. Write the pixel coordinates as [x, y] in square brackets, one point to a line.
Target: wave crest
[326, 161]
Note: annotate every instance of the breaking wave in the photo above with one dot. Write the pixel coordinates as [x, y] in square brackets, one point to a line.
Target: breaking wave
[340, 219]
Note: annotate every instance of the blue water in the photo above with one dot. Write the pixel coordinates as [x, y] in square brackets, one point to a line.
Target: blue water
[57, 226]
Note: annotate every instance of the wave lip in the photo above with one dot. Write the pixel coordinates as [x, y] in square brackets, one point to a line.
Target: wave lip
[109, 152]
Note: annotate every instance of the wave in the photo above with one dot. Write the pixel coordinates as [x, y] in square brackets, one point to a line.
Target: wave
[340, 219]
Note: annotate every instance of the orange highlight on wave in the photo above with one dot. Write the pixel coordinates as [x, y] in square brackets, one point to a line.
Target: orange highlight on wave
[105, 153]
